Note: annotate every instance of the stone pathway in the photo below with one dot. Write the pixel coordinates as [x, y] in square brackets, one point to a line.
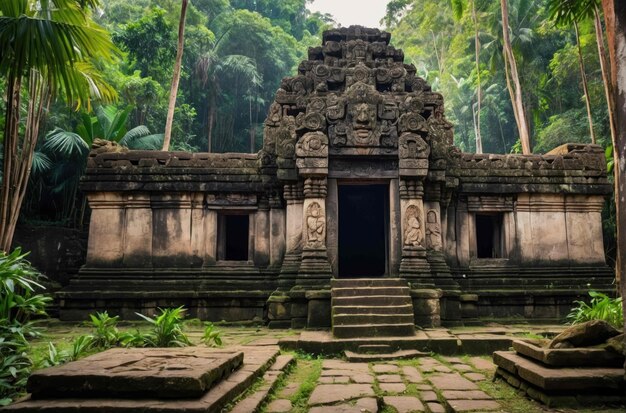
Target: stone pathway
[418, 385]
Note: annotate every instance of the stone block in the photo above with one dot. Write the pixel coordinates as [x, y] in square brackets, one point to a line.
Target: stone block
[137, 372]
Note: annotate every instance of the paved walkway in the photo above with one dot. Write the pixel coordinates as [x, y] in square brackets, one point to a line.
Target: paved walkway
[419, 385]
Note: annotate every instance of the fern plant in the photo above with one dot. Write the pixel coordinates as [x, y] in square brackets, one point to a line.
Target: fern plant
[106, 334]
[211, 336]
[601, 307]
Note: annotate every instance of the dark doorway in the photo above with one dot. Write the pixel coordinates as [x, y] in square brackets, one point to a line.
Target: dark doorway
[489, 236]
[236, 231]
[363, 221]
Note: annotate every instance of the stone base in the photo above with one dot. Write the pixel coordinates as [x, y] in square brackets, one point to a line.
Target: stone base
[426, 307]
[561, 386]
[257, 361]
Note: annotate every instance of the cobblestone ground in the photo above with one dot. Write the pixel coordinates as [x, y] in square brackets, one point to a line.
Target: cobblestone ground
[332, 385]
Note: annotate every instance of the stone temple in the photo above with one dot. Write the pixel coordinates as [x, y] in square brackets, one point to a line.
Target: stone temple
[358, 204]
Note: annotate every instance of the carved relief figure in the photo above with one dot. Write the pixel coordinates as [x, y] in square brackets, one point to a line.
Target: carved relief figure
[316, 225]
[433, 230]
[413, 228]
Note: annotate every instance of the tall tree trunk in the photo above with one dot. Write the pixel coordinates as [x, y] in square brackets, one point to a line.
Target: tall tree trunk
[606, 76]
[210, 121]
[583, 75]
[479, 140]
[516, 89]
[176, 77]
[609, 8]
[18, 158]
[619, 152]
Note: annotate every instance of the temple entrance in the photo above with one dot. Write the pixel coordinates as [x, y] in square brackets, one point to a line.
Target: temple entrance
[363, 230]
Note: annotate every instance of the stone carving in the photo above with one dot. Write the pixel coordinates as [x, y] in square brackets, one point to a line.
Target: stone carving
[313, 144]
[315, 225]
[412, 146]
[413, 228]
[433, 231]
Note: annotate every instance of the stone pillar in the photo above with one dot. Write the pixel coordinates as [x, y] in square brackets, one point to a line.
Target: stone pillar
[332, 220]
[277, 231]
[395, 229]
[105, 247]
[414, 266]
[138, 236]
[314, 269]
[198, 237]
[293, 194]
[262, 235]
[210, 237]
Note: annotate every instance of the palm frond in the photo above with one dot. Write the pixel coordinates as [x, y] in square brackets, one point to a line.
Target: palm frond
[41, 164]
[66, 144]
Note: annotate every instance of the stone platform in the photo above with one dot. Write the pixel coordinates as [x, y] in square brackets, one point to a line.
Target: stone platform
[192, 379]
[441, 341]
[562, 383]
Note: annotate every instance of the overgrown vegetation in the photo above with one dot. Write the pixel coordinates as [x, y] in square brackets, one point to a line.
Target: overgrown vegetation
[166, 331]
[601, 307]
[20, 303]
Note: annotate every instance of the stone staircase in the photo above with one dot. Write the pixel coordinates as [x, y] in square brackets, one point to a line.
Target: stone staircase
[371, 307]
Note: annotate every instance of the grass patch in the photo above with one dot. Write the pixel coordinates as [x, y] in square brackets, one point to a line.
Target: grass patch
[306, 372]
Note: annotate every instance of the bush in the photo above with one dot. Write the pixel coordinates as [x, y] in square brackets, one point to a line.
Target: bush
[166, 331]
[19, 303]
[601, 307]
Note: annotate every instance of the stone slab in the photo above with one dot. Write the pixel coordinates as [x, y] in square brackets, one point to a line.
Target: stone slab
[412, 374]
[465, 395]
[584, 379]
[455, 406]
[396, 355]
[137, 372]
[568, 357]
[404, 404]
[454, 381]
[333, 393]
[392, 387]
[364, 405]
[257, 361]
[279, 406]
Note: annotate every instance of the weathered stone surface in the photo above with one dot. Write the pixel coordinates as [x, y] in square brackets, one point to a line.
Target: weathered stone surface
[385, 368]
[258, 360]
[472, 405]
[569, 357]
[428, 396]
[412, 375]
[334, 379]
[435, 408]
[452, 381]
[482, 364]
[389, 378]
[475, 376]
[137, 372]
[583, 379]
[586, 334]
[333, 393]
[465, 395]
[392, 387]
[279, 406]
[364, 405]
[404, 404]
[396, 355]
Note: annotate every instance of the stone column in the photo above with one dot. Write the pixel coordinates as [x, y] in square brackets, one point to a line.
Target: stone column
[277, 231]
[414, 265]
[138, 236]
[294, 197]
[262, 234]
[198, 237]
[210, 237]
[105, 247]
[314, 269]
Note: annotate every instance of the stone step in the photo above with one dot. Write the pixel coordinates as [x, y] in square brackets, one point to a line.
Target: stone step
[368, 282]
[353, 319]
[373, 330]
[373, 309]
[374, 349]
[377, 300]
[253, 402]
[368, 291]
[359, 357]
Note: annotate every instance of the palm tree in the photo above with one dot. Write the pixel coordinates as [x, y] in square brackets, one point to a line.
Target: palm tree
[209, 69]
[566, 12]
[45, 50]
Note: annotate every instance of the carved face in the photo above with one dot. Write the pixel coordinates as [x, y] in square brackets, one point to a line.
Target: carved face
[363, 120]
